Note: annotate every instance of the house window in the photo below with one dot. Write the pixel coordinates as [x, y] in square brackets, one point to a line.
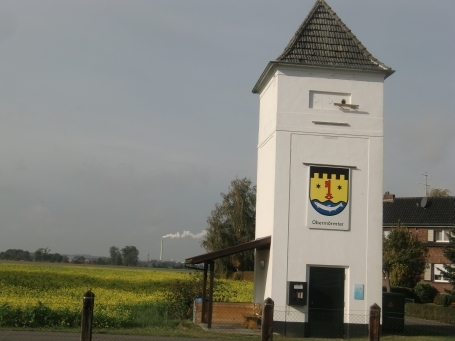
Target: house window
[427, 273]
[441, 236]
[438, 277]
[386, 234]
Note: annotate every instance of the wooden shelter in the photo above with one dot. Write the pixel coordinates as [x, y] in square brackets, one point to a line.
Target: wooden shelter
[208, 260]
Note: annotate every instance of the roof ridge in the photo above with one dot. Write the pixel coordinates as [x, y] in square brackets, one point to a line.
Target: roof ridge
[362, 47]
[289, 49]
[446, 197]
[296, 36]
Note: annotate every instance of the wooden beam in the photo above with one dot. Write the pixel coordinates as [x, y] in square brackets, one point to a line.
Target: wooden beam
[212, 275]
[260, 243]
[204, 293]
[352, 106]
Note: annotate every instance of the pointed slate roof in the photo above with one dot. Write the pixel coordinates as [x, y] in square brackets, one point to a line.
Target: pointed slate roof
[324, 40]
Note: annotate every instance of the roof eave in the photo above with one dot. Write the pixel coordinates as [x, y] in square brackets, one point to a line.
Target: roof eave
[263, 76]
[260, 243]
[421, 225]
[275, 63]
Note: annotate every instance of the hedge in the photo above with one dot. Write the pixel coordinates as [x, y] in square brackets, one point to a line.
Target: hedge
[431, 312]
[408, 292]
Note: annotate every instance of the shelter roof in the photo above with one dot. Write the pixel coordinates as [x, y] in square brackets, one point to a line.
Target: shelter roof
[260, 243]
[439, 211]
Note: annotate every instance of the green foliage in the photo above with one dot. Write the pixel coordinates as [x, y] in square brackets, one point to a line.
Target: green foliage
[444, 300]
[449, 269]
[424, 292]
[38, 316]
[152, 315]
[15, 254]
[232, 223]
[408, 292]
[130, 255]
[40, 255]
[181, 295]
[439, 192]
[115, 256]
[431, 312]
[404, 257]
[41, 316]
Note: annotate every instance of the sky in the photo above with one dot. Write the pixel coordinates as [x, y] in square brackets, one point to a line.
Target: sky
[123, 121]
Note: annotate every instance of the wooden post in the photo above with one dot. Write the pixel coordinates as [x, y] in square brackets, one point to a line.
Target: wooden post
[87, 316]
[375, 318]
[212, 274]
[204, 295]
[267, 320]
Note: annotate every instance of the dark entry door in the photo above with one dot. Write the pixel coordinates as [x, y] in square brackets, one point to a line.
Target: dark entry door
[326, 302]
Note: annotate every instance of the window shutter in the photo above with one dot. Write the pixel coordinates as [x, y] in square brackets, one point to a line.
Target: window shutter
[431, 235]
[427, 273]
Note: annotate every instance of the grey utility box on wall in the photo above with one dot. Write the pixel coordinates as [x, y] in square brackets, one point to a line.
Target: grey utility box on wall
[297, 293]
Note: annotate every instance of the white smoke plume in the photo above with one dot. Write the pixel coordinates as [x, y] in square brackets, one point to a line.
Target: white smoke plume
[185, 234]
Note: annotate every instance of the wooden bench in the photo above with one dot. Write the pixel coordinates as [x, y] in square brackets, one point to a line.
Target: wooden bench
[251, 321]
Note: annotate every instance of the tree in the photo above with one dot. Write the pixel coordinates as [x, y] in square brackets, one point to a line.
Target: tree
[115, 255]
[38, 255]
[449, 269]
[103, 261]
[231, 223]
[130, 255]
[15, 254]
[439, 192]
[42, 255]
[403, 258]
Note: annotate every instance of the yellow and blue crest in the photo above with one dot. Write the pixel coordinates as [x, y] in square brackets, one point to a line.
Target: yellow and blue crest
[329, 189]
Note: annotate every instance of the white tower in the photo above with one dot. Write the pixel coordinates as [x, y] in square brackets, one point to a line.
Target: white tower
[319, 180]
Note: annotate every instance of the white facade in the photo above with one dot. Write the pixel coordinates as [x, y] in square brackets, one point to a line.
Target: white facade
[299, 126]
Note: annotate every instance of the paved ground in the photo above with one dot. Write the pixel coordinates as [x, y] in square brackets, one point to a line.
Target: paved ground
[36, 336]
[48, 336]
[430, 327]
[43, 336]
[422, 327]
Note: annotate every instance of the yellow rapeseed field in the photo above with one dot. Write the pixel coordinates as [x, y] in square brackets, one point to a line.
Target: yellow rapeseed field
[117, 289]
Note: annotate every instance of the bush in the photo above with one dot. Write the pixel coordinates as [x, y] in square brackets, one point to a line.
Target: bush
[156, 315]
[181, 295]
[444, 300]
[41, 316]
[408, 292]
[431, 312]
[38, 316]
[238, 276]
[424, 292]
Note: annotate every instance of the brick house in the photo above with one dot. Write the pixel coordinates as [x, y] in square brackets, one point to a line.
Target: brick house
[428, 218]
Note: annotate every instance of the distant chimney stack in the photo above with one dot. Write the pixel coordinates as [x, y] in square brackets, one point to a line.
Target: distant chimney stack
[388, 197]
